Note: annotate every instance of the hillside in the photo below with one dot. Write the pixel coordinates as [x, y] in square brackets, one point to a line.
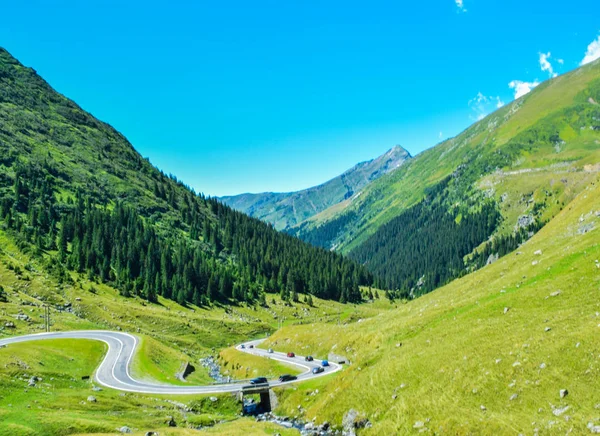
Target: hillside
[285, 210]
[488, 354]
[75, 193]
[503, 178]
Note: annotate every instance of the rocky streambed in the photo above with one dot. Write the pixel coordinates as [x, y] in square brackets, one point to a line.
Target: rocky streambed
[305, 428]
[214, 370]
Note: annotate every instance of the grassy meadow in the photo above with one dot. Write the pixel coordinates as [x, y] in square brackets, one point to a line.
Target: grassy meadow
[486, 354]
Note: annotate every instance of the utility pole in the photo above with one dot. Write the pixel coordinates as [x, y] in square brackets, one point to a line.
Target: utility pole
[47, 317]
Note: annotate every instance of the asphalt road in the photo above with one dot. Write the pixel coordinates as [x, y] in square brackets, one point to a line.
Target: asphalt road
[113, 371]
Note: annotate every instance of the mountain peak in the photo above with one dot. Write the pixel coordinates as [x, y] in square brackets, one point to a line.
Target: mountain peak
[286, 210]
[399, 150]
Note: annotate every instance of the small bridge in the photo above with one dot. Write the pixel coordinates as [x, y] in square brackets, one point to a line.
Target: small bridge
[268, 400]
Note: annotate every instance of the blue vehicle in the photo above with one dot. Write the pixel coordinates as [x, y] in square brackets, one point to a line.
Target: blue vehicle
[325, 363]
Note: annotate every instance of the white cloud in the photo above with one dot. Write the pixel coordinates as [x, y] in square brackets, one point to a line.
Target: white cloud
[560, 61]
[593, 52]
[483, 105]
[460, 5]
[441, 135]
[546, 65]
[521, 88]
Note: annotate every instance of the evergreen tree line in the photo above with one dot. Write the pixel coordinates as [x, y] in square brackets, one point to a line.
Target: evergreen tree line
[324, 235]
[423, 248]
[210, 253]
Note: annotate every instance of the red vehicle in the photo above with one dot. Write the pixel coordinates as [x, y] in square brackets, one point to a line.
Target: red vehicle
[290, 354]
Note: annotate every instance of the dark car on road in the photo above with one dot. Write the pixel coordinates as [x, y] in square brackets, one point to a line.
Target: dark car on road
[290, 354]
[318, 370]
[259, 381]
[243, 346]
[309, 358]
[287, 377]
[250, 346]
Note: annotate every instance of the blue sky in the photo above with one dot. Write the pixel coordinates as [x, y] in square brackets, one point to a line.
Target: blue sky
[238, 96]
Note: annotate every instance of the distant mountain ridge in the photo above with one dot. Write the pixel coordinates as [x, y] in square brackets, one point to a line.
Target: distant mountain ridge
[285, 210]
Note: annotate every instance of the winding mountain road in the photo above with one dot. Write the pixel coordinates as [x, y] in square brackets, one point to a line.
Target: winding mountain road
[114, 370]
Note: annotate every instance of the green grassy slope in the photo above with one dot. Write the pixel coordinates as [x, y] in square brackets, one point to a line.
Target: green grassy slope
[59, 403]
[551, 131]
[487, 354]
[289, 209]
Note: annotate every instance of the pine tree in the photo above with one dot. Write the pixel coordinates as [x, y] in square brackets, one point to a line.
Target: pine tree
[309, 300]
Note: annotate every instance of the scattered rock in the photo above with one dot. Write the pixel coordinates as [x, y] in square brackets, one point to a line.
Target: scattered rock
[513, 397]
[506, 309]
[492, 258]
[524, 221]
[483, 408]
[555, 294]
[9, 325]
[419, 424]
[543, 366]
[353, 421]
[537, 252]
[91, 399]
[125, 429]
[594, 429]
[96, 389]
[563, 393]
[560, 410]
[213, 399]
[547, 329]
[171, 422]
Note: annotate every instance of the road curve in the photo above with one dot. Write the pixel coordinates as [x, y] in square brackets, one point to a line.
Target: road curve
[113, 371]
